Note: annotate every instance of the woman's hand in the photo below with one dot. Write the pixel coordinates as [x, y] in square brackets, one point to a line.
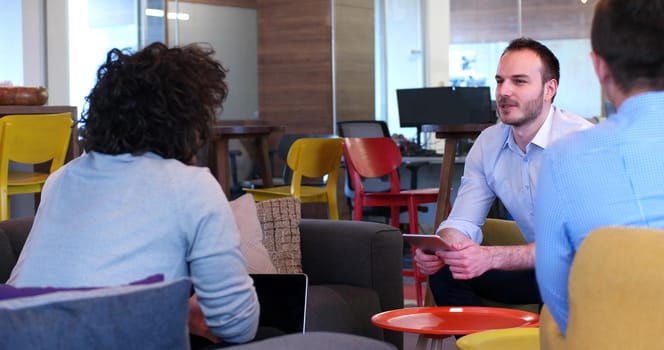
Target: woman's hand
[197, 325]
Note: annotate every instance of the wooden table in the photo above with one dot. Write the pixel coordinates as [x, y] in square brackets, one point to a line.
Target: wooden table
[451, 134]
[218, 151]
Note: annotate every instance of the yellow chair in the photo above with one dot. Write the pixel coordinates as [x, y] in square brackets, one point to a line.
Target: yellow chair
[501, 232]
[309, 158]
[498, 232]
[30, 139]
[615, 293]
[550, 336]
[501, 339]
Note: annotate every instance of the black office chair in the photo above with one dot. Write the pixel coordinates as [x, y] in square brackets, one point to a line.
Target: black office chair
[374, 128]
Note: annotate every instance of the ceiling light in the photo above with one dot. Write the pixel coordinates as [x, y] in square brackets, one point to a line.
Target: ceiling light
[171, 15]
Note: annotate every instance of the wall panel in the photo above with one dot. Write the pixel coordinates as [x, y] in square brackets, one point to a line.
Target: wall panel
[295, 64]
[497, 20]
[354, 59]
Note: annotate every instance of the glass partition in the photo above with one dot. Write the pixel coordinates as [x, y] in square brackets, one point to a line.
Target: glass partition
[481, 29]
[97, 26]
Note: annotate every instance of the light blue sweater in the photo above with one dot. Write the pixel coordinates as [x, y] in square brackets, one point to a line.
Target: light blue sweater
[109, 220]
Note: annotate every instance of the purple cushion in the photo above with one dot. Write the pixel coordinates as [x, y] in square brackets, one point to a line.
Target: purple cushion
[10, 292]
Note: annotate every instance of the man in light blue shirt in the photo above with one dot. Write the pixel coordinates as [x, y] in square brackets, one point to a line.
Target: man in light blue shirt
[504, 163]
[612, 174]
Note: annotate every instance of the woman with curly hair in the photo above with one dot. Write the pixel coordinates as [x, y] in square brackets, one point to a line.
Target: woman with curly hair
[134, 204]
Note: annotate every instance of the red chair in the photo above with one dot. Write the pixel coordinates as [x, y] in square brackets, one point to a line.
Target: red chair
[377, 157]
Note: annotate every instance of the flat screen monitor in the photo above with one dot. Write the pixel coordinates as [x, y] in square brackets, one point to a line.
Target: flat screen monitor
[445, 106]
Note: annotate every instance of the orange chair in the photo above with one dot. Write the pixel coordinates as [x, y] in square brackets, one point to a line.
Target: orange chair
[30, 139]
[376, 157]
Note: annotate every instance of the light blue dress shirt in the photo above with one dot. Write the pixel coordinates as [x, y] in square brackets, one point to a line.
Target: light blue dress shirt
[612, 174]
[496, 167]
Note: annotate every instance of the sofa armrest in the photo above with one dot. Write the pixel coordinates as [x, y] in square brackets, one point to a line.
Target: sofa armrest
[13, 234]
[356, 253]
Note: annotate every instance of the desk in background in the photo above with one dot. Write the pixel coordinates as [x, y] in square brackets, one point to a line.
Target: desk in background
[436, 159]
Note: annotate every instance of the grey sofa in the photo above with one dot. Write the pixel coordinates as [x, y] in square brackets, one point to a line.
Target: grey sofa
[354, 269]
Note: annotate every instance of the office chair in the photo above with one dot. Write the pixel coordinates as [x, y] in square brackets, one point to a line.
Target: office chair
[373, 128]
[309, 158]
[375, 157]
[30, 139]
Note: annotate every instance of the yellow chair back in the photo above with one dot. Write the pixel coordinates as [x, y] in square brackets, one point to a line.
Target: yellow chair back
[30, 139]
[550, 336]
[501, 232]
[314, 158]
[615, 293]
[504, 232]
[310, 158]
[615, 290]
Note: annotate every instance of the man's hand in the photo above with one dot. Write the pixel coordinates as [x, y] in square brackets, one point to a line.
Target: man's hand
[428, 263]
[197, 325]
[465, 258]
[470, 261]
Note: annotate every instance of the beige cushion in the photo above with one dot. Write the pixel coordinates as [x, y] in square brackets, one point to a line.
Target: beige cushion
[251, 235]
[280, 219]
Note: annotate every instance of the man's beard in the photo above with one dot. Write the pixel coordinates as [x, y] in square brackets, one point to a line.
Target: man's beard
[531, 110]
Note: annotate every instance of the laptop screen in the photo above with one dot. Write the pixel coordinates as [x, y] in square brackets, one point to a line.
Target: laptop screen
[283, 301]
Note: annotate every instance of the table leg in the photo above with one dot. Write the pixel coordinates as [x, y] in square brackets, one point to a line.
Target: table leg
[436, 343]
[422, 342]
[446, 174]
[218, 163]
[262, 148]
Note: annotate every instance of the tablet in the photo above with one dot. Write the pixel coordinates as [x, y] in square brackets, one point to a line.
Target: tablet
[429, 244]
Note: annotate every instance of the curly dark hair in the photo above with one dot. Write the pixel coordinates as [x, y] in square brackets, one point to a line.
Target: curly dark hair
[159, 99]
[629, 36]
[549, 60]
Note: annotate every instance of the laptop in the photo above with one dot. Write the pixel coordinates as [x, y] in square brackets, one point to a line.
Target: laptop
[283, 301]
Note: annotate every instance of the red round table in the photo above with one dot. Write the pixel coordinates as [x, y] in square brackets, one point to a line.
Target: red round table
[437, 323]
